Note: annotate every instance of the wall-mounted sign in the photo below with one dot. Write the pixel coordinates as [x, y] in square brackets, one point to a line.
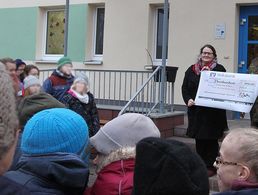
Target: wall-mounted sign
[220, 31]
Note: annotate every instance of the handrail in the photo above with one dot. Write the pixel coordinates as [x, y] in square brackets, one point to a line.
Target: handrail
[139, 91]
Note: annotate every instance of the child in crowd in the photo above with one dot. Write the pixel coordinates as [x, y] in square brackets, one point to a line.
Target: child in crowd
[34, 101]
[81, 100]
[115, 143]
[31, 70]
[31, 85]
[60, 80]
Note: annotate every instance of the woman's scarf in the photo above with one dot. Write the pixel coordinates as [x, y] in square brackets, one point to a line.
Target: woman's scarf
[198, 67]
[82, 98]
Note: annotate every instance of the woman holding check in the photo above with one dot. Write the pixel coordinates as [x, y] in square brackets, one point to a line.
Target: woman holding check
[205, 124]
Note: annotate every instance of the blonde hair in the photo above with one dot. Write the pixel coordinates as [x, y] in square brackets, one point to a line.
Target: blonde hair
[8, 115]
[247, 138]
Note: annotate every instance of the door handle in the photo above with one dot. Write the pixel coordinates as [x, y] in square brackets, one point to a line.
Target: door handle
[242, 63]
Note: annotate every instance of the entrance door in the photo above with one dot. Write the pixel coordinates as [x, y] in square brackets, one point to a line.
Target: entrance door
[248, 39]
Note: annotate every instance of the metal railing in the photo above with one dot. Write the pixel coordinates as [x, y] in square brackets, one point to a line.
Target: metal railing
[119, 87]
[148, 97]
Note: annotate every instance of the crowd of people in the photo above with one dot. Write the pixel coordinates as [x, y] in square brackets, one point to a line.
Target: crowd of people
[47, 133]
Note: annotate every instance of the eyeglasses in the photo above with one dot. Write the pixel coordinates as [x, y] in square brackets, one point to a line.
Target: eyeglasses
[207, 53]
[219, 161]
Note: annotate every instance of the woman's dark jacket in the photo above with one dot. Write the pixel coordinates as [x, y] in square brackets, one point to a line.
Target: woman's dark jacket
[88, 111]
[203, 122]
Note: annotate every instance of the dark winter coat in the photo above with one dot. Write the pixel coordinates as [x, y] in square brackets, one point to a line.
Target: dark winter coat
[9, 187]
[88, 111]
[58, 174]
[57, 84]
[242, 188]
[203, 122]
[241, 192]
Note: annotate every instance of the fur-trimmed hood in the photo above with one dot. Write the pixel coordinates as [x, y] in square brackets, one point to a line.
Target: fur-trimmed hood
[120, 154]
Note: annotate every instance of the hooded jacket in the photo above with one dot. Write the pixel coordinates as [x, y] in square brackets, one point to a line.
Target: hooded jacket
[58, 173]
[115, 174]
[32, 104]
[57, 84]
[8, 187]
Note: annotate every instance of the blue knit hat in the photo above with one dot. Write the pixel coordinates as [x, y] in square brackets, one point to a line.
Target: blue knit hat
[19, 62]
[55, 130]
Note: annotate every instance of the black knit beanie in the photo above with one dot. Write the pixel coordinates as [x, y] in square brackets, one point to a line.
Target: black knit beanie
[168, 167]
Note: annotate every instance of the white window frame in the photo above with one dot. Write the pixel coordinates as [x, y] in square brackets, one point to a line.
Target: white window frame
[48, 57]
[156, 61]
[98, 57]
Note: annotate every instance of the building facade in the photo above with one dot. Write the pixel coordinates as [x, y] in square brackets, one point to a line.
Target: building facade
[127, 34]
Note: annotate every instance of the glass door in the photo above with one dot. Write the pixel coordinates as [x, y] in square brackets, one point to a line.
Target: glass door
[248, 40]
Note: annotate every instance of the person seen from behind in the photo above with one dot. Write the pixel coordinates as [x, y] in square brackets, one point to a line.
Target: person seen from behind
[8, 134]
[115, 143]
[164, 167]
[53, 144]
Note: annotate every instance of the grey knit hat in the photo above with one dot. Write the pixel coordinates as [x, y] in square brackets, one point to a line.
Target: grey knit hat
[8, 117]
[30, 80]
[123, 131]
[81, 77]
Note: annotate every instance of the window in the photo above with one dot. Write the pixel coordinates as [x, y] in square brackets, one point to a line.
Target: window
[159, 34]
[54, 34]
[99, 32]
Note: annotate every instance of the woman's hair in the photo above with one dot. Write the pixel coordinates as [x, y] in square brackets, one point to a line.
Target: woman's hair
[28, 68]
[7, 60]
[26, 92]
[210, 47]
[248, 147]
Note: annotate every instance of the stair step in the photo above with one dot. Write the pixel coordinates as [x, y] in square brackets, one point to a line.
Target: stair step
[188, 141]
[103, 122]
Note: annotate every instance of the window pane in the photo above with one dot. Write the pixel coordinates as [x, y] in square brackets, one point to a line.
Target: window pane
[253, 28]
[99, 31]
[55, 32]
[252, 58]
[160, 14]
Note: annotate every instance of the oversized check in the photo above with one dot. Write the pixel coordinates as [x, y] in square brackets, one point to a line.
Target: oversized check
[230, 91]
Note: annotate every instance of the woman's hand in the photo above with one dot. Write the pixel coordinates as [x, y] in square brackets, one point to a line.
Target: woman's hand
[205, 68]
[190, 103]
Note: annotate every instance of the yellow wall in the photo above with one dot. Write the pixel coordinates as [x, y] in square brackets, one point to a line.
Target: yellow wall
[129, 31]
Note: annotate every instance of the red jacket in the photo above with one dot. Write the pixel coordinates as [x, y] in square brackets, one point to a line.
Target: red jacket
[114, 179]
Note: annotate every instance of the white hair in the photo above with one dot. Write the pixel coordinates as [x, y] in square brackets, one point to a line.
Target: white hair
[247, 138]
